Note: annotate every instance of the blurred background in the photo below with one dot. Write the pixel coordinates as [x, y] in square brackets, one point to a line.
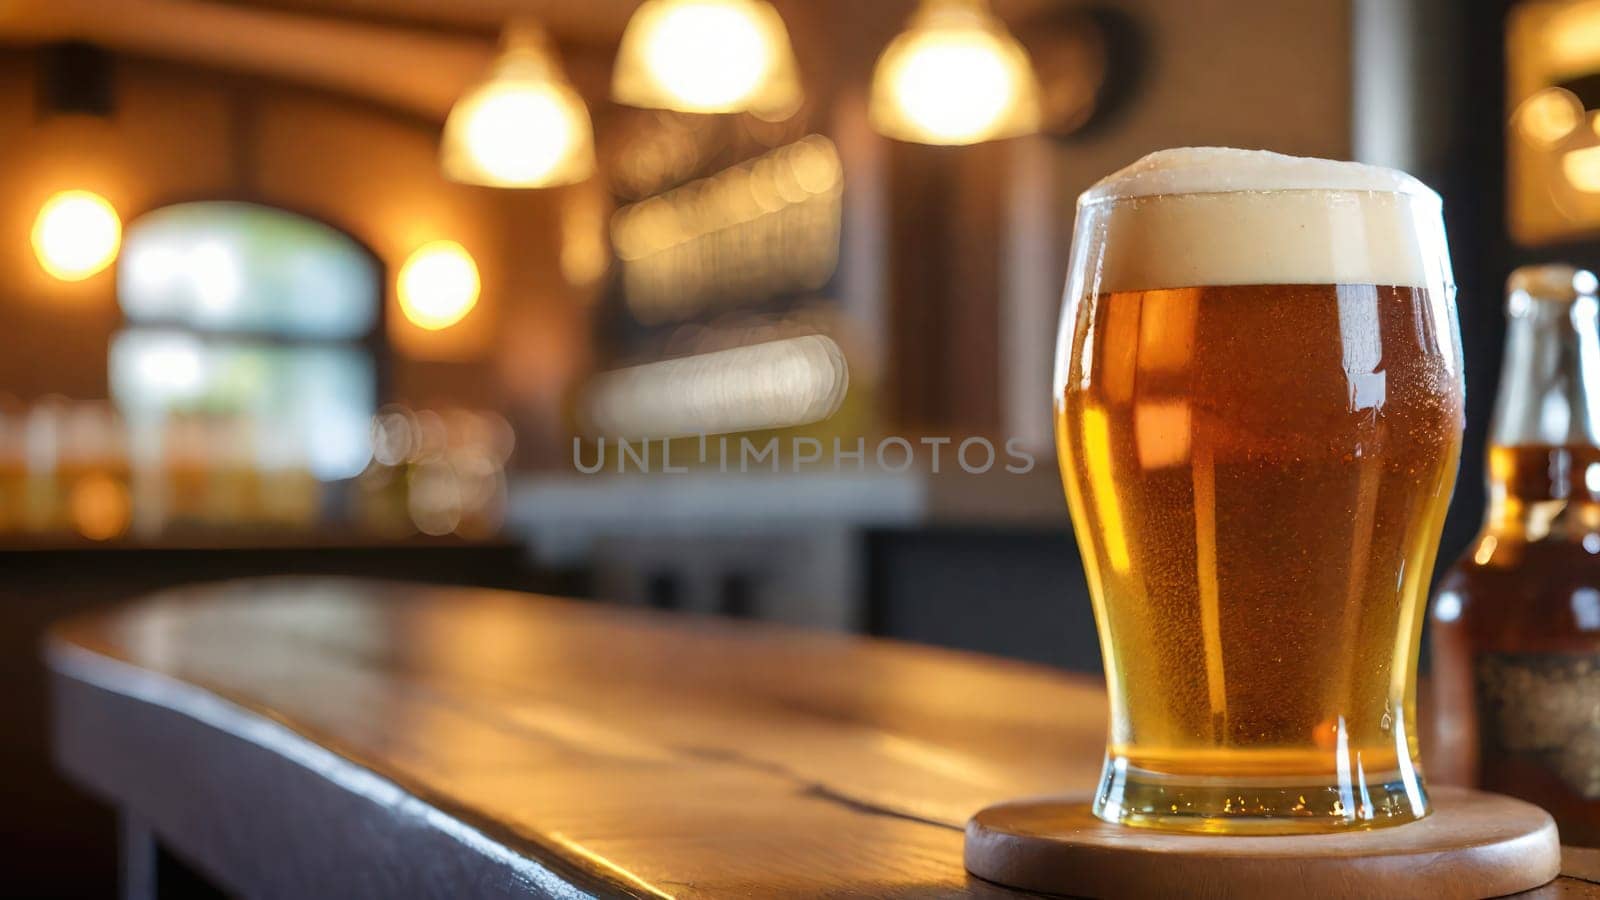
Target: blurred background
[318, 285]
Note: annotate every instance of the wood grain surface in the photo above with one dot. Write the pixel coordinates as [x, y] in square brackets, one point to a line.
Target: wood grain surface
[587, 750]
[1470, 845]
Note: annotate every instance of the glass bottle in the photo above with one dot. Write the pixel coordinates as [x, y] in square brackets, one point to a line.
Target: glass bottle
[1516, 623]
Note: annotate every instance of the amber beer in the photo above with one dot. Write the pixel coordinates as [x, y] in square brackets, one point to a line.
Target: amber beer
[1259, 417]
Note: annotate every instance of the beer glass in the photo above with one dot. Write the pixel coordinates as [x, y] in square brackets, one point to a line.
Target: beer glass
[1258, 401]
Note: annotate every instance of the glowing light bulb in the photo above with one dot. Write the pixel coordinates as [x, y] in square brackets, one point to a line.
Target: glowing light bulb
[955, 76]
[438, 285]
[519, 134]
[524, 126]
[708, 56]
[76, 235]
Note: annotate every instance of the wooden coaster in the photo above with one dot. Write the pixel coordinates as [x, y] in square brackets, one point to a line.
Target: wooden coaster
[1472, 845]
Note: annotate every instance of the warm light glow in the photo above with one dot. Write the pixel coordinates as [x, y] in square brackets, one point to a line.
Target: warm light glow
[100, 507]
[519, 134]
[433, 497]
[1582, 169]
[584, 251]
[1572, 37]
[1549, 115]
[1485, 551]
[438, 285]
[76, 235]
[954, 76]
[707, 56]
[524, 126]
[954, 85]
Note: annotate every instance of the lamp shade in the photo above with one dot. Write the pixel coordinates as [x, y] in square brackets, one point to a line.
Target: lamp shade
[707, 56]
[523, 126]
[954, 76]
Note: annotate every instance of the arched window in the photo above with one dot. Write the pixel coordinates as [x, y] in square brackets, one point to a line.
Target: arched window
[255, 317]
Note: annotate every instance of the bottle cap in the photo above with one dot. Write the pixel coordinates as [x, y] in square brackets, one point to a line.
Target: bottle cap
[1547, 283]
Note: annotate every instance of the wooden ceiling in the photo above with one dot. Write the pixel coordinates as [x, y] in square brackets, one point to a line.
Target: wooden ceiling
[414, 70]
[572, 21]
[594, 22]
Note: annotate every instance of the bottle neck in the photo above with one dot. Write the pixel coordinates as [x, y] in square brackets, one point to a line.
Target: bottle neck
[1544, 444]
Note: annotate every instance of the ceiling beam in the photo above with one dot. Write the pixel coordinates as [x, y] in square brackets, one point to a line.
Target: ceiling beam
[409, 69]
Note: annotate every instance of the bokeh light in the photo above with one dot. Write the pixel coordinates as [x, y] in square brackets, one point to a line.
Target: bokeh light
[100, 507]
[1571, 35]
[707, 56]
[524, 126]
[76, 235]
[766, 226]
[520, 134]
[434, 497]
[438, 285]
[955, 76]
[1549, 115]
[1582, 169]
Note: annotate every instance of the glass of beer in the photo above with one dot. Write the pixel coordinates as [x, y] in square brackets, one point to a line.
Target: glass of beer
[1258, 412]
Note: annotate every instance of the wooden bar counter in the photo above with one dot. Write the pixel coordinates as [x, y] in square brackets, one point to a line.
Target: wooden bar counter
[316, 737]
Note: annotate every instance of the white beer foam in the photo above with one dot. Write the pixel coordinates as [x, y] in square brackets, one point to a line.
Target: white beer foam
[1199, 216]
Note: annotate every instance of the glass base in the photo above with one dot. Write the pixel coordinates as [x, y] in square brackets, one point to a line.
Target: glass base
[1271, 805]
